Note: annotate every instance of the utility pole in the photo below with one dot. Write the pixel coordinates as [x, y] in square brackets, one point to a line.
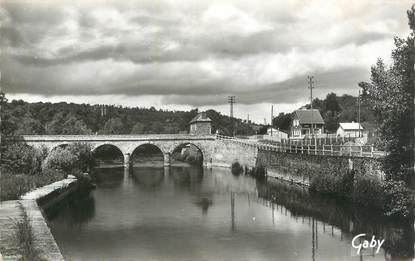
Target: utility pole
[358, 111]
[231, 101]
[2, 99]
[272, 116]
[310, 86]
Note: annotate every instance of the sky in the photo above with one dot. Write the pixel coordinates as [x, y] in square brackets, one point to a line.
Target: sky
[180, 55]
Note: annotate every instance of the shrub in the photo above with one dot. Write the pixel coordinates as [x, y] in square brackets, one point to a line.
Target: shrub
[60, 159]
[84, 156]
[368, 191]
[338, 185]
[236, 168]
[20, 158]
[397, 199]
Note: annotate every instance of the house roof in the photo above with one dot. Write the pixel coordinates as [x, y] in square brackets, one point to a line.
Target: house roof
[309, 116]
[350, 126]
[201, 117]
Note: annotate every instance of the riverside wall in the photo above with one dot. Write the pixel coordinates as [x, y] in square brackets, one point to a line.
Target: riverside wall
[225, 152]
[302, 168]
[34, 203]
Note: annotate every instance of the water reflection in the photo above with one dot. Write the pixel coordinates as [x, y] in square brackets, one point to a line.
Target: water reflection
[109, 177]
[204, 202]
[68, 214]
[187, 177]
[154, 212]
[149, 178]
[399, 236]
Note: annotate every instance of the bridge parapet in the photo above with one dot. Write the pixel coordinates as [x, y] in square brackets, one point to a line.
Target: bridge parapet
[80, 138]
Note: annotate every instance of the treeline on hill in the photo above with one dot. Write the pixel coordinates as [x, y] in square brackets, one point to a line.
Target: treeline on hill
[334, 109]
[20, 118]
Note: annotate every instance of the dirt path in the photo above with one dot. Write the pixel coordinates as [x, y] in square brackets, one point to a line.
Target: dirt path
[10, 213]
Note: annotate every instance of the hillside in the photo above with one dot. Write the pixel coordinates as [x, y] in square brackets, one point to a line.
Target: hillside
[20, 117]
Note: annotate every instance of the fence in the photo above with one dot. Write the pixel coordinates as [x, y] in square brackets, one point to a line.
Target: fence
[312, 149]
[323, 139]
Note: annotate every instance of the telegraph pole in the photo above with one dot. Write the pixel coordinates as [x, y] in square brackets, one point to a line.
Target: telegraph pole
[272, 116]
[311, 87]
[358, 111]
[231, 101]
[2, 99]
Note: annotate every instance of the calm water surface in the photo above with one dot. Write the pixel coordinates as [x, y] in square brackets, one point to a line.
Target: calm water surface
[190, 213]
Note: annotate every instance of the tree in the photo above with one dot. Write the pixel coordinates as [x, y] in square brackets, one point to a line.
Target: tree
[74, 126]
[138, 128]
[60, 159]
[390, 95]
[113, 126]
[55, 125]
[331, 103]
[84, 156]
[28, 125]
[20, 158]
[283, 121]
[331, 119]
[263, 130]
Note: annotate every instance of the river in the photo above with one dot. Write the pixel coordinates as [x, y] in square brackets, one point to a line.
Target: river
[191, 213]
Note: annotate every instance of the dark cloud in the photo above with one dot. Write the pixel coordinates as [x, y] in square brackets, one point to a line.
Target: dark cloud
[192, 53]
[294, 90]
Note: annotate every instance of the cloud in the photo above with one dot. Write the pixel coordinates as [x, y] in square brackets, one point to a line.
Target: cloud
[194, 53]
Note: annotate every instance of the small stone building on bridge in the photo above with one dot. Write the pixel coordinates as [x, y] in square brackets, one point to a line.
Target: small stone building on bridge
[201, 124]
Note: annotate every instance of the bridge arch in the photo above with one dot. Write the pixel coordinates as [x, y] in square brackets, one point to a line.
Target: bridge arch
[189, 152]
[102, 152]
[149, 152]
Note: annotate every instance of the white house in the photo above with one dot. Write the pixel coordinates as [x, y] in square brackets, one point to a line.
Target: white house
[275, 134]
[350, 129]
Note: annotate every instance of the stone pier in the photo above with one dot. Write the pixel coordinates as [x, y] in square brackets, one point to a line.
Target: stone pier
[166, 159]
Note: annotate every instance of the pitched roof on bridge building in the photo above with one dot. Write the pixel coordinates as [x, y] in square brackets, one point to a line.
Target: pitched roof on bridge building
[201, 117]
[309, 116]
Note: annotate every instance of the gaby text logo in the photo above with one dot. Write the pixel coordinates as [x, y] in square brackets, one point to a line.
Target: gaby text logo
[360, 244]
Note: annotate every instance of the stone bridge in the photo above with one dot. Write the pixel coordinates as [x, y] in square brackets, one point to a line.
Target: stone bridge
[128, 143]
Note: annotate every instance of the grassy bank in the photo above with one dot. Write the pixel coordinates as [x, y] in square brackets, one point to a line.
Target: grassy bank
[12, 186]
[24, 236]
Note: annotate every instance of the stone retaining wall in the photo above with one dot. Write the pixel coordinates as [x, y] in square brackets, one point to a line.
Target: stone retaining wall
[227, 152]
[301, 168]
[33, 203]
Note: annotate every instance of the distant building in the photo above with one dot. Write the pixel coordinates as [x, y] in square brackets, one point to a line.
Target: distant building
[350, 129]
[201, 124]
[276, 134]
[303, 121]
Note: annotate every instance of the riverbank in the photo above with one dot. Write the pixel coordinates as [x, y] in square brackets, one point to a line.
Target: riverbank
[15, 185]
[32, 205]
